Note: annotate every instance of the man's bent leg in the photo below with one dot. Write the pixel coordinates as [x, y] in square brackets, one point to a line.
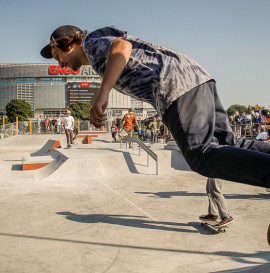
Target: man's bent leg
[199, 126]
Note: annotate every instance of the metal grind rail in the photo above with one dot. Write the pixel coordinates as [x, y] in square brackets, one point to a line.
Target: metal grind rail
[143, 146]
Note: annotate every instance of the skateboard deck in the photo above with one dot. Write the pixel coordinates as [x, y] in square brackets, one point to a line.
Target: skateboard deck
[214, 228]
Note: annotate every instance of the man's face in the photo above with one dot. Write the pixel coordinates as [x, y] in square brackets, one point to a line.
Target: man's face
[71, 58]
[264, 118]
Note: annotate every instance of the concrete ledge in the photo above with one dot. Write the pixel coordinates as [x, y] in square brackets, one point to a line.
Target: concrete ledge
[88, 139]
[34, 163]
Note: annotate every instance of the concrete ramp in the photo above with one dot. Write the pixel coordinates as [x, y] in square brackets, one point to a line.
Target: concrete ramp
[58, 160]
[48, 146]
[107, 165]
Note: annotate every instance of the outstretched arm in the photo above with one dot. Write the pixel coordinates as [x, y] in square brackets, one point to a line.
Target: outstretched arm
[119, 55]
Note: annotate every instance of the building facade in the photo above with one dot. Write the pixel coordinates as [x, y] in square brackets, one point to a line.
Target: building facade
[50, 89]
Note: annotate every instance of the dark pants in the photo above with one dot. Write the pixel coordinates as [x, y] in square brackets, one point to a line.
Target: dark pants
[69, 134]
[199, 125]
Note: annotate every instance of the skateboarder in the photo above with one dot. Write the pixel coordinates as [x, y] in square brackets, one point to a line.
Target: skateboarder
[68, 126]
[127, 121]
[183, 93]
[217, 208]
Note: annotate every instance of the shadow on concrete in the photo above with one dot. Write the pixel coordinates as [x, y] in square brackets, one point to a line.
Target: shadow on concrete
[16, 167]
[130, 162]
[127, 220]
[194, 194]
[172, 194]
[247, 196]
[236, 256]
[263, 268]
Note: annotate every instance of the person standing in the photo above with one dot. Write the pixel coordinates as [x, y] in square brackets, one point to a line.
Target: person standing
[114, 132]
[162, 132]
[58, 124]
[54, 126]
[127, 121]
[118, 123]
[153, 127]
[47, 124]
[68, 125]
[38, 124]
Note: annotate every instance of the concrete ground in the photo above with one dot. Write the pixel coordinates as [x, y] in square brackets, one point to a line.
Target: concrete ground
[103, 210]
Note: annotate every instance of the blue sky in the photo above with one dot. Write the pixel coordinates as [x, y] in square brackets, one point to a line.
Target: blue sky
[229, 38]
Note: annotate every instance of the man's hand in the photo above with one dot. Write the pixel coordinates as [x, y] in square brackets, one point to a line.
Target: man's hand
[97, 112]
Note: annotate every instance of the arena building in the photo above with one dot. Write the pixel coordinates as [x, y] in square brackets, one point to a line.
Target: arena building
[51, 89]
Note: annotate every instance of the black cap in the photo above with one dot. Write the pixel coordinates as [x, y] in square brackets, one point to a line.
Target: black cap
[63, 31]
[265, 112]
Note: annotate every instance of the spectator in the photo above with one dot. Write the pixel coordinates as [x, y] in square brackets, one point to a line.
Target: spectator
[266, 118]
[38, 124]
[236, 122]
[154, 130]
[54, 125]
[114, 131]
[47, 124]
[25, 127]
[118, 123]
[162, 132]
[58, 124]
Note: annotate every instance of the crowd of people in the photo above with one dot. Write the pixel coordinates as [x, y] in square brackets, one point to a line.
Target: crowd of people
[52, 126]
[152, 131]
[243, 122]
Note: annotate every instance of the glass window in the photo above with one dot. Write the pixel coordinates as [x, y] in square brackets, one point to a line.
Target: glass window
[25, 80]
[57, 80]
[5, 82]
[45, 80]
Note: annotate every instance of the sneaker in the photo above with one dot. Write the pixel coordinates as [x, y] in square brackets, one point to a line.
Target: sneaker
[225, 221]
[208, 217]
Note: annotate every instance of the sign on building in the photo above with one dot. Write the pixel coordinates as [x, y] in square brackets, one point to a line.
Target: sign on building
[82, 91]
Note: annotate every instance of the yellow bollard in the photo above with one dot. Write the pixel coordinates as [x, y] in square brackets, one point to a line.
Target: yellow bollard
[17, 129]
[3, 123]
[30, 127]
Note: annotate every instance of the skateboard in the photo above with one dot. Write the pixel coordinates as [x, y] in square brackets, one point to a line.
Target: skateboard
[214, 228]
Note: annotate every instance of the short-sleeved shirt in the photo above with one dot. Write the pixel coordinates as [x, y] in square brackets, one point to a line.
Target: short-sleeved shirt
[128, 121]
[153, 73]
[67, 121]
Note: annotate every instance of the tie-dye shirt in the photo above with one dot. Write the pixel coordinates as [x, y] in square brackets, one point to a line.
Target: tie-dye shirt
[153, 73]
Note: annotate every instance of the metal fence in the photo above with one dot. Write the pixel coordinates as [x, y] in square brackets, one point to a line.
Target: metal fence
[249, 130]
[30, 127]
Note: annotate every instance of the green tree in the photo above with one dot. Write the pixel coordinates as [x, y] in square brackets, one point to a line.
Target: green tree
[255, 108]
[80, 110]
[18, 108]
[236, 107]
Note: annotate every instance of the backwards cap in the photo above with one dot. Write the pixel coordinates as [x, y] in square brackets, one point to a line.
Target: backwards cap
[61, 32]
